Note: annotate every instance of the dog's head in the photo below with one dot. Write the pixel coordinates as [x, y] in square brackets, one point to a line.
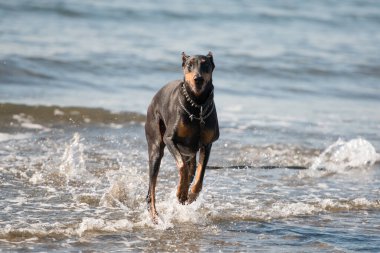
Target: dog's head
[198, 71]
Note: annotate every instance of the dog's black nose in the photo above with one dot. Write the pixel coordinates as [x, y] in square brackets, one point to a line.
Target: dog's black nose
[198, 78]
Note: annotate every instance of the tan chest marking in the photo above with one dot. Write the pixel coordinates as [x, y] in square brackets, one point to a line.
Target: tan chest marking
[207, 136]
[184, 130]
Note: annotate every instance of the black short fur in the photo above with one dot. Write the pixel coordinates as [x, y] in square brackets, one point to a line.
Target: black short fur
[182, 117]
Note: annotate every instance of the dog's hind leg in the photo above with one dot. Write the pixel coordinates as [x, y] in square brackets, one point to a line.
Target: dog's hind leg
[154, 132]
[155, 156]
[204, 155]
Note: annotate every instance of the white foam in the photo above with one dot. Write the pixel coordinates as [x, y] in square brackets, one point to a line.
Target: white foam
[344, 204]
[36, 178]
[343, 155]
[363, 202]
[115, 126]
[73, 162]
[117, 194]
[322, 186]
[282, 210]
[260, 210]
[58, 112]
[31, 232]
[172, 210]
[127, 191]
[33, 126]
[127, 188]
[27, 122]
[94, 225]
[7, 137]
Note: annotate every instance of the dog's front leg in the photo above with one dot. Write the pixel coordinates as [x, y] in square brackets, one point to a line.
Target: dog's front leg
[204, 154]
[183, 186]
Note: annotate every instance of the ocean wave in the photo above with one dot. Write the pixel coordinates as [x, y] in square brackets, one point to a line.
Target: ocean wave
[343, 156]
[15, 70]
[99, 225]
[172, 213]
[339, 157]
[58, 230]
[34, 232]
[16, 116]
[257, 210]
[57, 72]
[77, 10]
[283, 66]
[7, 136]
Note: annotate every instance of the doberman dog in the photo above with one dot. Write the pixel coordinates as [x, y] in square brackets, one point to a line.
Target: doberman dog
[182, 116]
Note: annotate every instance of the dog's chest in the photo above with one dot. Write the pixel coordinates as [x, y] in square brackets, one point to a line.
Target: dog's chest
[194, 134]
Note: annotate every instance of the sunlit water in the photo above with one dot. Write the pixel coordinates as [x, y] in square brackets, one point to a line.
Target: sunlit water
[297, 93]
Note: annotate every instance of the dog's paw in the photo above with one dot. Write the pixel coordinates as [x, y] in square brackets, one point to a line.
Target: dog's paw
[154, 217]
[182, 197]
[192, 197]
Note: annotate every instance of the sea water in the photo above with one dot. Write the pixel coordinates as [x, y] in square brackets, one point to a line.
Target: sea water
[296, 168]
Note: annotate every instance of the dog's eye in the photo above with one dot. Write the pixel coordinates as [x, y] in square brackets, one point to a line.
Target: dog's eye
[189, 66]
[205, 67]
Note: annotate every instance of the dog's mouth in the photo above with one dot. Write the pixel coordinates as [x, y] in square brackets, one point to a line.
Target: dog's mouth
[199, 84]
[198, 88]
[196, 85]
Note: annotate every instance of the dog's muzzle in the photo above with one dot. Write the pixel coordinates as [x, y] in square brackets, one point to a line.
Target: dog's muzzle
[198, 82]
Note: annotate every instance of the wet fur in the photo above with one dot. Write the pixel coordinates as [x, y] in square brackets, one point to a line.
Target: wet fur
[169, 125]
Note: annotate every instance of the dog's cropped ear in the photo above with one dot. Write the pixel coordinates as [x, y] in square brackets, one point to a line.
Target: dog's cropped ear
[184, 59]
[209, 55]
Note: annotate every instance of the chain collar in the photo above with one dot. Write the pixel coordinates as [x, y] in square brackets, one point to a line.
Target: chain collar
[205, 109]
[192, 102]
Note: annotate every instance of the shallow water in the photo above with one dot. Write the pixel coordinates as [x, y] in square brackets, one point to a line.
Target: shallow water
[297, 167]
[83, 187]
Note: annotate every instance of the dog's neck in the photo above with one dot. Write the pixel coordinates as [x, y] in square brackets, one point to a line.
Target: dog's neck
[198, 107]
[205, 97]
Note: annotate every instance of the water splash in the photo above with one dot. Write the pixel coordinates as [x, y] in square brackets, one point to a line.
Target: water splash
[342, 156]
[170, 211]
[101, 225]
[127, 186]
[73, 164]
[72, 160]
